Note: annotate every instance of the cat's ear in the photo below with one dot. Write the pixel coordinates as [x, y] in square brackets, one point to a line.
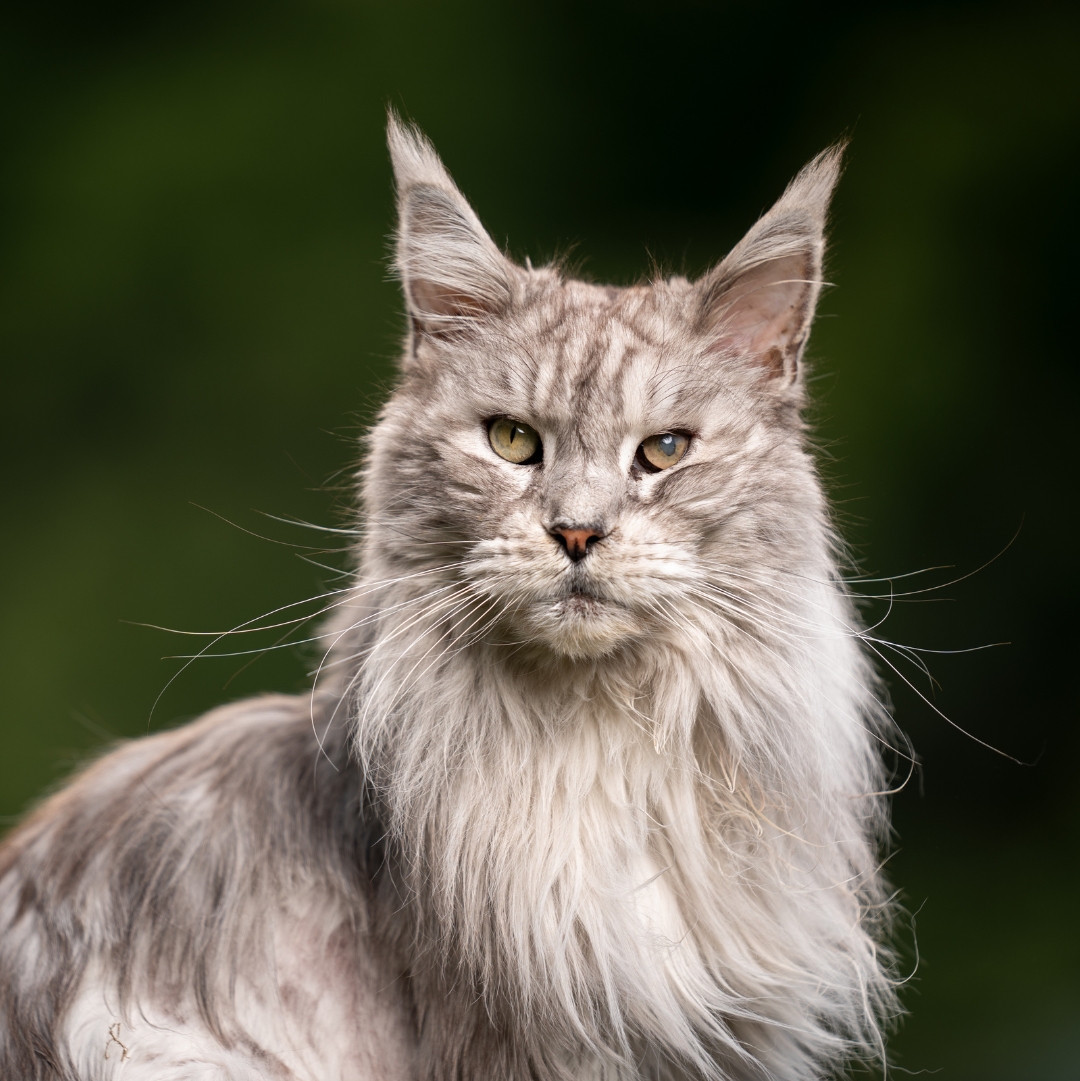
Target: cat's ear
[758, 304]
[451, 270]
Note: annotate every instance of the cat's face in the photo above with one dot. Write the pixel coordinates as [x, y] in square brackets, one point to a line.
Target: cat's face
[594, 465]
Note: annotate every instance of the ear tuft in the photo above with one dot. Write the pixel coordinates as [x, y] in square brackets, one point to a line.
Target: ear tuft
[452, 272]
[413, 157]
[759, 303]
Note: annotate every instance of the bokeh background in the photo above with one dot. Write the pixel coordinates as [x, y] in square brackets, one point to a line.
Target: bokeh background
[196, 320]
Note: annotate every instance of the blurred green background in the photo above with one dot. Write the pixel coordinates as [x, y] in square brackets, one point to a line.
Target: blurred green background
[195, 312]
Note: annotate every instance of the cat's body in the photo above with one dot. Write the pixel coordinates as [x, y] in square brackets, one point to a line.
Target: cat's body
[227, 862]
[589, 786]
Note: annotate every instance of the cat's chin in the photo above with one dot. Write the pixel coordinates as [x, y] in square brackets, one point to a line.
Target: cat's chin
[580, 626]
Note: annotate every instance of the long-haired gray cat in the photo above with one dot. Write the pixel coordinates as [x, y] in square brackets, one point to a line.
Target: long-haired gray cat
[589, 784]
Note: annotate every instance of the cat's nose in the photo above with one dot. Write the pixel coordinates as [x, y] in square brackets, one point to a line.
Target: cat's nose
[577, 539]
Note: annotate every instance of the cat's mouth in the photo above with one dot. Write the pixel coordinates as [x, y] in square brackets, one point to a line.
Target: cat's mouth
[580, 621]
[574, 615]
[582, 595]
[578, 602]
[581, 589]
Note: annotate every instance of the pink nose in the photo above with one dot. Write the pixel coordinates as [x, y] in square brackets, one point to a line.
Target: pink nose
[575, 540]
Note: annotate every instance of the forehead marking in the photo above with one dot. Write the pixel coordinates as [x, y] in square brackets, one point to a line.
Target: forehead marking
[590, 339]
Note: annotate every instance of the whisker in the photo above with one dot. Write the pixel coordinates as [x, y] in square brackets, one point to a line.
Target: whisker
[374, 690]
[380, 614]
[354, 531]
[350, 686]
[259, 536]
[351, 594]
[791, 669]
[944, 717]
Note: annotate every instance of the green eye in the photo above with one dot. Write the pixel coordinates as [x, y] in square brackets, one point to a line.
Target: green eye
[662, 451]
[514, 441]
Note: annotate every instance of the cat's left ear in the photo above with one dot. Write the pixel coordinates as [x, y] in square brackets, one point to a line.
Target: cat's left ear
[758, 304]
[451, 270]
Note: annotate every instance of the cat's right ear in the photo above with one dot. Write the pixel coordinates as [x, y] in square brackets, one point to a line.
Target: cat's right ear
[452, 272]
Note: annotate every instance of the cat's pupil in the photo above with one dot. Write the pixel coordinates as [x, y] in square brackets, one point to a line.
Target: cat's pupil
[667, 444]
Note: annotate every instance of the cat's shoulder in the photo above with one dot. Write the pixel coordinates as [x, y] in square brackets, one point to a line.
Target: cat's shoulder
[197, 902]
[240, 765]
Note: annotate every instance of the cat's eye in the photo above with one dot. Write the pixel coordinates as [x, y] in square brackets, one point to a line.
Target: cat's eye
[515, 441]
[662, 451]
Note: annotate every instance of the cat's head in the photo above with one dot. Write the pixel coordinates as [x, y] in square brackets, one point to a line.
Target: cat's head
[595, 466]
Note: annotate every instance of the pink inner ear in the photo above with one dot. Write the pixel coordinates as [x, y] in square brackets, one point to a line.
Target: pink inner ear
[441, 301]
[764, 314]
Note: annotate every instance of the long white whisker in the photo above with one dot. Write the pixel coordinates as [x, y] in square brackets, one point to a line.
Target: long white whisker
[350, 686]
[944, 717]
[790, 667]
[465, 605]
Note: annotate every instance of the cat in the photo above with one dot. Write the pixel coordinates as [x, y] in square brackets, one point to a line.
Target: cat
[589, 783]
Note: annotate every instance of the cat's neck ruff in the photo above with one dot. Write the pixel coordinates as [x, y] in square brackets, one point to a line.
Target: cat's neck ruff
[643, 848]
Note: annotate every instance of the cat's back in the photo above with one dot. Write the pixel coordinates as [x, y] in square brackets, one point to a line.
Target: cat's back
[199, 903]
